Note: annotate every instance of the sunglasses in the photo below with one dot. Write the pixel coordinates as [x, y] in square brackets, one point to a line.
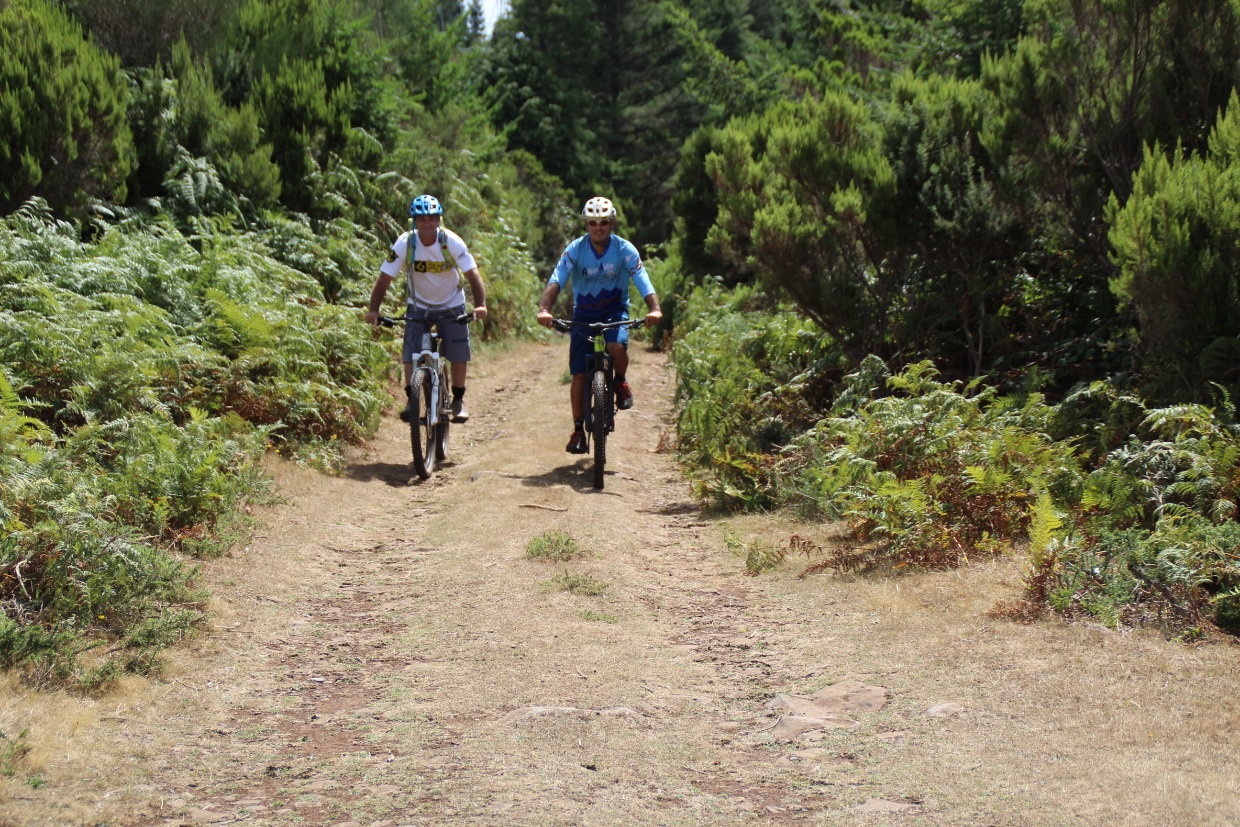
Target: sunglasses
[594, 222]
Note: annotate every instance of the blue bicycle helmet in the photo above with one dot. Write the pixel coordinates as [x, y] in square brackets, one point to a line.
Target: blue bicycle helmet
[425, 205]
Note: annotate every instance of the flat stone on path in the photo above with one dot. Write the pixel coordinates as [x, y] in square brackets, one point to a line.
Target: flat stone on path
[791, 727]
[947, 710]
[526, 713]
[845, 697]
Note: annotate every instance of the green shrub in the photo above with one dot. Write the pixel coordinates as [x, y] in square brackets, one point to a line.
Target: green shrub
[930, 473]
[585, 585]
[1181, 575]
[64, 133]
[12, 748]
[143, 379]
[1129, 513]
[1178, 251]
[749, 378]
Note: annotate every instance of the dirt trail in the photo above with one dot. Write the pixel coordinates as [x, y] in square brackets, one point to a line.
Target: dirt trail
[385, 653]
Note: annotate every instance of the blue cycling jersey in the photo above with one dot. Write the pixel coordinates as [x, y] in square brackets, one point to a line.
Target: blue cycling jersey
[601, 281]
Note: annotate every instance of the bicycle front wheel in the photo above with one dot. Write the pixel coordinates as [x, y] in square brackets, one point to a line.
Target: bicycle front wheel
[421, 432]
[598, 409]
[445, 416]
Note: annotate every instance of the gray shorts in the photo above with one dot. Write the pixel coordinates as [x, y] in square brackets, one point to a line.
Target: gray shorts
[454, 336]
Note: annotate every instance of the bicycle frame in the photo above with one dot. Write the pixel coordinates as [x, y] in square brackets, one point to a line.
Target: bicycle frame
[429, 416]
[428, 352]
[599, 393]
[428, 357]
[602, 360]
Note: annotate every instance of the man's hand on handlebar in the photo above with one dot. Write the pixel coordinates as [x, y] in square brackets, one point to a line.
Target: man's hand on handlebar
[480, 312]
[545, 318]
[653, 317]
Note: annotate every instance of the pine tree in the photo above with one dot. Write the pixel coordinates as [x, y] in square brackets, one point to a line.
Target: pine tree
[1177, 245]
[475, 24]
[64, 134]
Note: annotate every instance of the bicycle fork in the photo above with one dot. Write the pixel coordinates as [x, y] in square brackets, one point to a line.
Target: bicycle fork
[428, 359]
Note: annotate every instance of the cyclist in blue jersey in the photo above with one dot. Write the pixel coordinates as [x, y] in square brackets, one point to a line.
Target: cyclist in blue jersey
[600, 266]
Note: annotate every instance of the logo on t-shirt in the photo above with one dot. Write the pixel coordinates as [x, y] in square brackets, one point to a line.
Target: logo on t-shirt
[431, 266]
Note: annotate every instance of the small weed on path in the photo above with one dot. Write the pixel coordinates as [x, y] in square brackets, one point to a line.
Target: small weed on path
[557, 546]
[12, 751]
[581, 584]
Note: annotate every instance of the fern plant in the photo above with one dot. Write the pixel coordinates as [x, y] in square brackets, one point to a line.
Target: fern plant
[930, 473]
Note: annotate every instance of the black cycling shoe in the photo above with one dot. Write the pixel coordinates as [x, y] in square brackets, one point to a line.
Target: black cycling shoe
[406, 413]
[577, 443]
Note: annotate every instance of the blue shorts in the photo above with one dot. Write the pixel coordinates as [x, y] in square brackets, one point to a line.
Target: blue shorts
[581, 346]
[453, 336]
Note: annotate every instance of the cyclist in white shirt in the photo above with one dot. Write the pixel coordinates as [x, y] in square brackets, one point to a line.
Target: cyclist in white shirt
[436, 259]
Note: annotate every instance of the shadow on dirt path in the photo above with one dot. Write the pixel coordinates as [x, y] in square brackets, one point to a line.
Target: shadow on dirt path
[386, 653]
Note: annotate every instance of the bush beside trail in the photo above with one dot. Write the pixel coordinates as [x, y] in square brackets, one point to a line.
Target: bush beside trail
[143, 375]
[1128, 513]
[143, 380]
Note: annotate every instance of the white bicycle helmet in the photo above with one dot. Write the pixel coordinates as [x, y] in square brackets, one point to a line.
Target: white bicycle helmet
[599, 208]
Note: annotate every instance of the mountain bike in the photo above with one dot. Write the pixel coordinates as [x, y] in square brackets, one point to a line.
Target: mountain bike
[430, 403]
[599, 395]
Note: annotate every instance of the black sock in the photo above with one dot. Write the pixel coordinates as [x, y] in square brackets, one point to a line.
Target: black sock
[619, 378]
[579, 422]
[457, 393]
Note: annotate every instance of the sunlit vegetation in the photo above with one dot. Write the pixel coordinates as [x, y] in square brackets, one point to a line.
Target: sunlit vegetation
[1127, 513]
[187, 247]
[556, 546]
[958, 274]
[968, 286]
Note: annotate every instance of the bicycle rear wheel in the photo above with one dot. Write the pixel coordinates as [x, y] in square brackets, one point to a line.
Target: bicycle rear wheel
[422, 433]
[599, 415]
[445, 415]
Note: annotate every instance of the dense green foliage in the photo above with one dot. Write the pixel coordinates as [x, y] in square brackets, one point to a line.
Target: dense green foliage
[145, 380]
[1021, 198]
[604, 94]
[1128, 513]
[194, 299]
[63, 132]
[744, 369]
[1178, 250]
[960, 273]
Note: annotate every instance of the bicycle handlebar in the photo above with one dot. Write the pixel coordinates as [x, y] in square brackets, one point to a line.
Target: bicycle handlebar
[563, 325]
[388, 321]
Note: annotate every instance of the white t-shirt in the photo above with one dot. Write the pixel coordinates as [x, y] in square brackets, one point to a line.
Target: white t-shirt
[433, 282]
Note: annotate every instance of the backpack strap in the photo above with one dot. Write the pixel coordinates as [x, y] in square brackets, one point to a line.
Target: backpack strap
[411, 247]
[443, 245]
[447, 256]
